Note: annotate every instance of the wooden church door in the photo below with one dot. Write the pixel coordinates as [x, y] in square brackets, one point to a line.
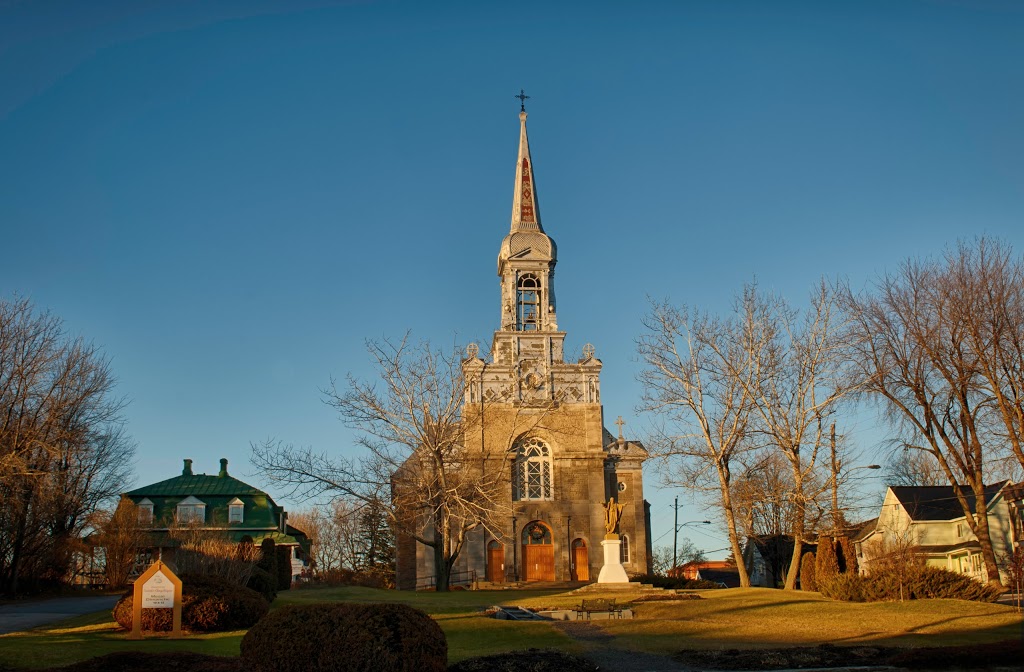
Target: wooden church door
[538, 553]
[580, 560]
[495, 562]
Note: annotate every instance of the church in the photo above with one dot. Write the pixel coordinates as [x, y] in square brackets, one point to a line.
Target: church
[565, 465]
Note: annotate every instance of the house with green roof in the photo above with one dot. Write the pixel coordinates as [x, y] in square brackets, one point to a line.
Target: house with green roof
[219, 503]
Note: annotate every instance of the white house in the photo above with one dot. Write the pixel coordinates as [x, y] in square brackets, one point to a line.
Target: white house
[930, 521]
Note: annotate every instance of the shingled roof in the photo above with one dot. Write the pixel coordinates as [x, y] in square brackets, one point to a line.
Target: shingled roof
[938, 502]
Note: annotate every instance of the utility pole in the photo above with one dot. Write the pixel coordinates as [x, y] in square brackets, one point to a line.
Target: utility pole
[675, 532]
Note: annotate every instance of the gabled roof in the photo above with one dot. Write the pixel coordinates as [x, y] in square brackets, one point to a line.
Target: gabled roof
[866, 528]
[938, 502]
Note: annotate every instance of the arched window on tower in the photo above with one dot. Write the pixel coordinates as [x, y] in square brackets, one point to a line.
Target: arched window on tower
[624, 550]
[532, 471]
[528, 303]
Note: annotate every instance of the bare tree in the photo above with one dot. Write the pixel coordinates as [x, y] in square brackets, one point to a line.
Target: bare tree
[63, 448]
[207, 552]
[333, 531]
[793, 370]
[685, 553]
[121, 534]
[763, 496]
[937, 345]
[911, 467]
[413, 462]
[704, 409]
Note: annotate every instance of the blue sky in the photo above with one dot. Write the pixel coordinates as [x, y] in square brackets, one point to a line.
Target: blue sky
[230, 197]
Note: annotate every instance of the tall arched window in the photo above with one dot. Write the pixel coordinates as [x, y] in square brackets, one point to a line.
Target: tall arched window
[624, 550]
[532, 471]
[528, 303]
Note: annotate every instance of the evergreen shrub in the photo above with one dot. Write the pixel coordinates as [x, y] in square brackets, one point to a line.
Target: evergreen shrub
[345, 636]
[847, 553]
[208, 604]
[807, 578]
[912, 583]
[264, 583]
[826, 563]
[284, 568]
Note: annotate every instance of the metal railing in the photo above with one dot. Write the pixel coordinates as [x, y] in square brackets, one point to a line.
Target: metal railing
[464, 578]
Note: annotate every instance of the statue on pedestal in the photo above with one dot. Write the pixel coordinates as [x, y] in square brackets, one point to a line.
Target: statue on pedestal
[612, 570]
[612, 515]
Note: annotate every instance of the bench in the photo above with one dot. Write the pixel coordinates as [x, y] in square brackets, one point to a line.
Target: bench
[601, 605]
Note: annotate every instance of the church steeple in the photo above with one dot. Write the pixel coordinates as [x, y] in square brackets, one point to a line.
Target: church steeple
[526, 262]
[525, 208]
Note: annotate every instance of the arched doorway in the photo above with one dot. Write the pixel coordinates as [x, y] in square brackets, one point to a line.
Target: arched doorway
[495, 562]
[580, 561]
[538, 552]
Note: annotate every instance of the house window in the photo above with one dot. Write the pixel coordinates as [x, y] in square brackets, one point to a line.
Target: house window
[532, 475]
[145, 511]
[959, 529]
[624, 550]
[236, 510]
[191, 510]
[528, 303]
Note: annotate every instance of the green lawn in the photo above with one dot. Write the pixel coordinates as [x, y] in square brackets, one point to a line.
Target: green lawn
[722, 619]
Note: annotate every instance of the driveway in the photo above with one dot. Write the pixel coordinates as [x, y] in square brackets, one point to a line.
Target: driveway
[18, 616]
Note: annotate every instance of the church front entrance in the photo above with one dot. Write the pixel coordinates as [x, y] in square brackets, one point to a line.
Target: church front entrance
[580, 561]
[538, 552]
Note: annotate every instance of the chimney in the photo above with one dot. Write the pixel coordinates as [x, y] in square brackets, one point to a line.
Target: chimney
[187, 471]
[223, 467]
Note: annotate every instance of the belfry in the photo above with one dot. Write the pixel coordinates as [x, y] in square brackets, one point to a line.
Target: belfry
[543, 416]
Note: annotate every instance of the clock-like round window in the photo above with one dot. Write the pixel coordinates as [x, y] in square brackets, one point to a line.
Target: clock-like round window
[622, 486]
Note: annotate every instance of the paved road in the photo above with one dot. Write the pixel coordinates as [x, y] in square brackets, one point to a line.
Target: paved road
[18, 616]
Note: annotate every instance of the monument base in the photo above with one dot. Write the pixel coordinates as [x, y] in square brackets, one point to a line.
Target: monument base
[612, 571]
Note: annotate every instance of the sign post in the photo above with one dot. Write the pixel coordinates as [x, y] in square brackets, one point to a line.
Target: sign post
[157, 588]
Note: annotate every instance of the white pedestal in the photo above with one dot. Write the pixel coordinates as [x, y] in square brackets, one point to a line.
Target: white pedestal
[612, 571]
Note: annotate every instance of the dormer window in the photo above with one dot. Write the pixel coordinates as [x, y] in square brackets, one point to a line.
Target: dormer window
[145, 511]
[528, 303]
[236, 510]
[191, 510]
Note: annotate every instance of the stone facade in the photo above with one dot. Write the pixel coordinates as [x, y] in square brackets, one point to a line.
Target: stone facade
[539, 418]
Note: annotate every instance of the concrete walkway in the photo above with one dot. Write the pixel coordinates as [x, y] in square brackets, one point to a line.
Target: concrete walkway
[18, 616]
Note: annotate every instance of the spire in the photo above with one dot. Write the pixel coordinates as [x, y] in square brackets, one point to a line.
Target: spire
[525, 208]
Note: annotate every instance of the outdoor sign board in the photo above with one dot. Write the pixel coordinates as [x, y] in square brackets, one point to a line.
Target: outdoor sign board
[157, 588]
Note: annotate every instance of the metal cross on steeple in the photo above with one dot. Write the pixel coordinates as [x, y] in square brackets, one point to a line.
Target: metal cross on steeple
[522, 100]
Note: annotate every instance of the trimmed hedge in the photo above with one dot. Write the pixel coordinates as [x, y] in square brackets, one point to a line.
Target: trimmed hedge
[676, 583]
[916, 582]
[345, 636]
[208, 604]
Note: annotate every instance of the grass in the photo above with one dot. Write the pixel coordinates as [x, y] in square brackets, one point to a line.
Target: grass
[764, 618]
[737, 618]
